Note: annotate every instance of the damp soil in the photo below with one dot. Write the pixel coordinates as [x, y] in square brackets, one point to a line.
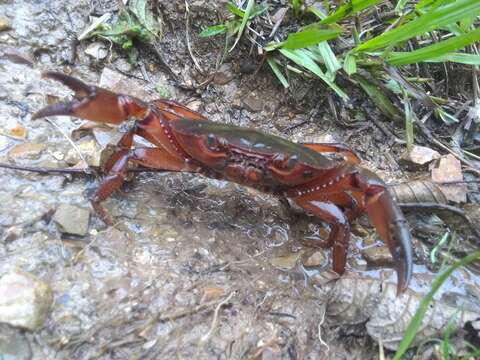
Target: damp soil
[193, 268]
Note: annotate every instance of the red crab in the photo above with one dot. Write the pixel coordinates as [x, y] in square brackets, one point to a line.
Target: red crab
[184, 140]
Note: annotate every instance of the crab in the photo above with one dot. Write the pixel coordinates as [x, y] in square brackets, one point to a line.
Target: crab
[335, 191]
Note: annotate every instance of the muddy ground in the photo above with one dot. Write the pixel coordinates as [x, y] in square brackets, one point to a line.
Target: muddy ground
[193, 268]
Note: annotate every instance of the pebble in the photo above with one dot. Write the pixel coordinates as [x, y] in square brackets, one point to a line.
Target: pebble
[11, 234]
[24, 300]
[286, 262]
[418, 156]
[224, 75]
[17, 132]
[13, 345]
[71, 219]
[97, 50]
[30, 151]
[315, 260]
[4, 24]
[377, 256]
[253, 103]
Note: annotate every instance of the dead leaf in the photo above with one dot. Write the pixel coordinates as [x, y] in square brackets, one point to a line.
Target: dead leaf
[418, 191]
[449, 169]
[210, 293]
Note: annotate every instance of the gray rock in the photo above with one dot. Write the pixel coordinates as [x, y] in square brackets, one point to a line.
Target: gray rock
[24, 300]
[13, 345]
[26, 151]
[253, 103]
[314, 260]
[377, 256]
[97, 50]
[71, 219]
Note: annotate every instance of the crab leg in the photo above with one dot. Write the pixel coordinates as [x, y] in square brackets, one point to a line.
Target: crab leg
[153, 158]
[350, 156]
[175, 109]
[339, 236]
[100, 105]
[371, 194]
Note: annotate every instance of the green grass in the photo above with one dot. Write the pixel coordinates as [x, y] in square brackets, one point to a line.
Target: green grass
[444, 28]
[417, 319]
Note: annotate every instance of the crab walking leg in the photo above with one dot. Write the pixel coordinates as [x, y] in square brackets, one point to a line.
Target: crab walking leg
[154, 158]
[345, 201]
[350, 156]
[174, 109]
[339, 229]
[384, 214]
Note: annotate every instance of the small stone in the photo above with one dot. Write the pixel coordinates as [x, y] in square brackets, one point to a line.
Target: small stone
[4, 142]
[419, 155]
[377, 256]
[315, 260]
[16, 132]
[13, 345]
[97, 50]
[195, 105]
[11, 234]
[89, 150]
[30, 151]
[17, 57]
[71, 219]
[286, 262]
[24, 300]
[253, 103]
[4, 24]
[224, 75]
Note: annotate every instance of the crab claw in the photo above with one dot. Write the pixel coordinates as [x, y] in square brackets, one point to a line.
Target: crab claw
[92, 103]
[391, 225]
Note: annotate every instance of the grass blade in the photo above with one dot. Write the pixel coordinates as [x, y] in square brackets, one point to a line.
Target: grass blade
[235, 10]
[380, 99]
[435, 50]
[408, 120]
[416, 321]
[301, 58]
[445, 116]
[213, 30]
[311, 35]
[329, 58]
[144, 15]
[352, 7]
[400, 5]
[277, 72]
[430, 20]
[350, 64]
[246, 16]
[461, 58]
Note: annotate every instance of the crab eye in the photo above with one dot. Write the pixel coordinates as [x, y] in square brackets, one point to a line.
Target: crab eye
[285, 162]
[211, 140]
[292, 161]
